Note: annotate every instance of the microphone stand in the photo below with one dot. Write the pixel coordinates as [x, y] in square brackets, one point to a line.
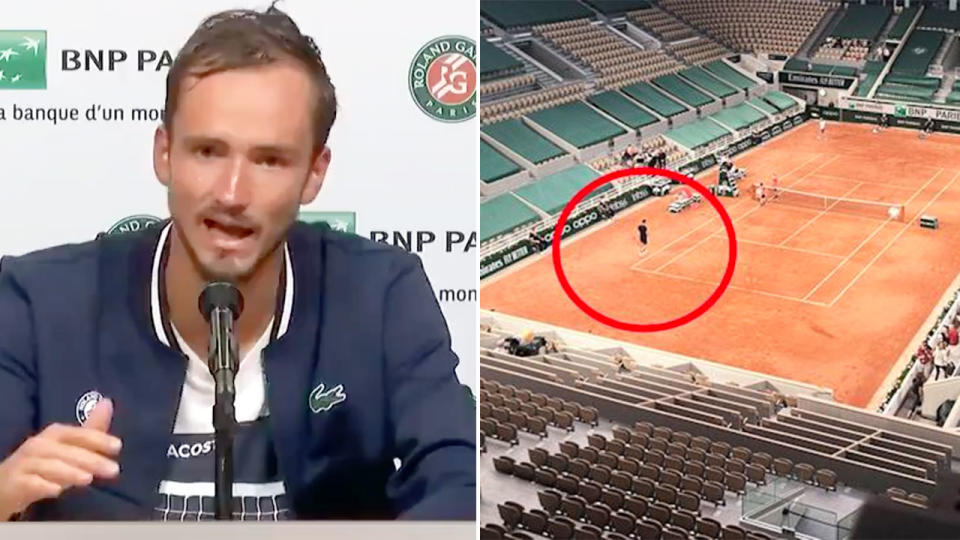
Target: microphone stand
[221, 304]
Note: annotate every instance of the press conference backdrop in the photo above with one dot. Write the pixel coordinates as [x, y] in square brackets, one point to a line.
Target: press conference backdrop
[82, 91]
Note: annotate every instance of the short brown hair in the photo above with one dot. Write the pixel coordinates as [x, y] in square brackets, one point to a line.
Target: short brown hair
[243, 38]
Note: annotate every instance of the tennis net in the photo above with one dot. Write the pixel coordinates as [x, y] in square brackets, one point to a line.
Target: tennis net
[817, 201]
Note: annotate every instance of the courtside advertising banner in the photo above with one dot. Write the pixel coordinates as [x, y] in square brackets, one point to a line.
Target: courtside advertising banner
[82, 88]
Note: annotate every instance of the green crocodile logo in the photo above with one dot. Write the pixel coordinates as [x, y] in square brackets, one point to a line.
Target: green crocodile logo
[321, 400]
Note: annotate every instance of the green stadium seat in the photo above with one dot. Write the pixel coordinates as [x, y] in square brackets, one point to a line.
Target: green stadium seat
[520, 13]
[738, 117]
[495, 63]
[686, 93]
[553, 192]
[620, 107]
[503, 214]
[616, 7]
[577, 123]
[494, 165]
[653, 99]
[780, 100]
[940, 19]
[917, 53]
[862, 22]
[903, 23]
[698, 133]
[730, 75]
[708, 82]
[515, 135]
[759, 103]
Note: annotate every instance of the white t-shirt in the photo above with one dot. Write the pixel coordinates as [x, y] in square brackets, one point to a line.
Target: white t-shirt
[940, 357]
[823, 124]
[187, 491]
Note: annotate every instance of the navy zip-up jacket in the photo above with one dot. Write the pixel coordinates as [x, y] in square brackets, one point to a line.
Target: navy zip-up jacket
[77, 318]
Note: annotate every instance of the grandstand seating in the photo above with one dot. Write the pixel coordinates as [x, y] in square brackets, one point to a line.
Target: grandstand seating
[795, 64]
[531, 101]
[697, 133]
[918, 53]
[708, 82]
[871, 71]
[656, 144]
[753, 25]
[699, 51]
[502, 214]
[485, 29]
[523, 13]
[644, 435]
[729, 75]
[780, 100]
[740, 117]
[615, 61]
[763, 105]
[621, 108]
[517, 136]
[654, 99]
[617, 7]
[940, 19]
[862, 22]
[577, 124]
[662, 24]
[490, 89]
[494, 165]
[903, 23]
[495, 63]
[552, 192]
[954, 95]
[676, 87]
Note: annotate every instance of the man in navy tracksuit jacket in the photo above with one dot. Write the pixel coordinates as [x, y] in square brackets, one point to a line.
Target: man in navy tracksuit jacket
[347, 402]
[77, 318]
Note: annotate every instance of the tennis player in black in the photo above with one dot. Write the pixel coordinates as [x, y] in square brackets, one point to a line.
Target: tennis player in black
[642, 232]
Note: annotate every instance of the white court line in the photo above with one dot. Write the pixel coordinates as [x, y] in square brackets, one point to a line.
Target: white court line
[734, 287]
[788, 248]
[741, 216]
[816, 217]
[870, 237]
[897, 236]
[634, 266]
[894, 186]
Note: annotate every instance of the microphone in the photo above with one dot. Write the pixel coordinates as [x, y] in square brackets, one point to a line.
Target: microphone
[221, 304]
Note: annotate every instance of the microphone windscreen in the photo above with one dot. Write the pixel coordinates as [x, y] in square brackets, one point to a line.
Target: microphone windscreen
[220, 294]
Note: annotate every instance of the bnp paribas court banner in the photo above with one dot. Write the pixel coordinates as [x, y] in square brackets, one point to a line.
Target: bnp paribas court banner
[82, 91]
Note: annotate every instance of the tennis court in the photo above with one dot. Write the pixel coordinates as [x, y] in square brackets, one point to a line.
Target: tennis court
[830, 294]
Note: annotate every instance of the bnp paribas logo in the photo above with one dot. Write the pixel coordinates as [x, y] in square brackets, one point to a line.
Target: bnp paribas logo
[443, 78]
[23, 59]
[338, 221]
[900, 110]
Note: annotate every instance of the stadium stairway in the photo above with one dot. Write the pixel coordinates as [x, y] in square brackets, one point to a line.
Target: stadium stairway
[820, 33]
[544, 79]
[949, 80]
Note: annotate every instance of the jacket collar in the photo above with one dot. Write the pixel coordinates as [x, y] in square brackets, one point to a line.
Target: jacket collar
[159, 309]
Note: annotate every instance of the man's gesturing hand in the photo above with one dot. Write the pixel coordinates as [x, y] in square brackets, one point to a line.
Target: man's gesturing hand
[57, 458]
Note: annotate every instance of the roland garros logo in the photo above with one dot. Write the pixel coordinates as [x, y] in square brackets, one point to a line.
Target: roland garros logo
[443, 78]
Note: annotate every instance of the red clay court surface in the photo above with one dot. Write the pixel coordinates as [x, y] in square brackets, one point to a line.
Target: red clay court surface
[827, 298]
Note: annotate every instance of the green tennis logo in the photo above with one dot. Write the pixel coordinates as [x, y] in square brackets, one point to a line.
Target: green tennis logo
[339, 221]
[23, 59]
[443, 79]
[134, 224]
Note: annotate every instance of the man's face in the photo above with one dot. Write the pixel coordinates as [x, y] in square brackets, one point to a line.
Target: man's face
[238, 161]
